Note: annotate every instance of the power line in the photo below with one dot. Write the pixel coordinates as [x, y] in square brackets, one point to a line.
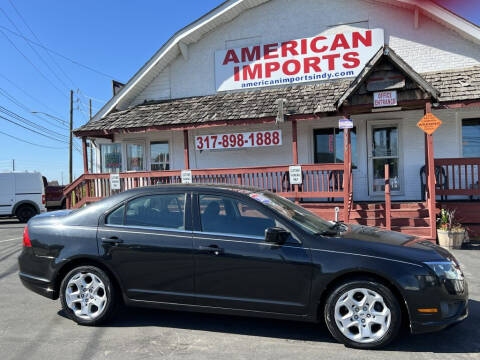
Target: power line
[28, 142]
[58, 54]
[30, 123]
[33, 49]
[31, 63]
[32, 130]
[26, 93]
[5, 93]
[36, 37]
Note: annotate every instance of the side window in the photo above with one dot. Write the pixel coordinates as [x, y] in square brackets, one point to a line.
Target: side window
[221, 214]
[116, 216]
[163, 210]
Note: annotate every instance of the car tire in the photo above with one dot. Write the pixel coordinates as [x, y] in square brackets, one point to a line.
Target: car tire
[363, 314]
[25, 213]
[87, 296]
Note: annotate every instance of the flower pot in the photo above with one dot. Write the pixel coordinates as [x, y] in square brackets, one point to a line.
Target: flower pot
[451, 239]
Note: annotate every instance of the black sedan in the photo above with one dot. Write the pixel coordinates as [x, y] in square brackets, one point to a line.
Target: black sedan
[241, 251]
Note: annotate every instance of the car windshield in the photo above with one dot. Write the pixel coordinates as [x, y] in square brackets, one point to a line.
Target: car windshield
[299, 215]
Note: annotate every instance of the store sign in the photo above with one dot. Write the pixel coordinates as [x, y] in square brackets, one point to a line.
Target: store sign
[319, 58]
[239, 140]
[295, 173]
[345, 124]
[186, 176]
[385, 98]
[114, 181]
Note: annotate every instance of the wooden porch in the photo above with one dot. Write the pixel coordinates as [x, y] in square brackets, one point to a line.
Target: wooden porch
[323, 189]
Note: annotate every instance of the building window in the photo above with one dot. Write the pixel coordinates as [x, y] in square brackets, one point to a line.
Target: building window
[159, 156]
[471, 137]
[111, 156]
[329, 146]
[135, 156]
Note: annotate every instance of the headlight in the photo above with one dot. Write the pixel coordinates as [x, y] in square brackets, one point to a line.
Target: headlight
[446, 270]
[449, 274]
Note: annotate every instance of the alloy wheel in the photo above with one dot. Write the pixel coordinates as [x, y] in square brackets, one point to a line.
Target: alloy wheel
[362, 315]
[86, 296]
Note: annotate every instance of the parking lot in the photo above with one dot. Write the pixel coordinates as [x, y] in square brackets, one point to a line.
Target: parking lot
[33, 327]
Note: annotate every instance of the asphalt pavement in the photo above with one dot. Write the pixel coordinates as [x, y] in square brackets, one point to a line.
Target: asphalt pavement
[34, 327]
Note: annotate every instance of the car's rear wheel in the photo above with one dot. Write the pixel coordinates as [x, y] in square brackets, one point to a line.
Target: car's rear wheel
[87, 295]
[25, 213]
[363, 314]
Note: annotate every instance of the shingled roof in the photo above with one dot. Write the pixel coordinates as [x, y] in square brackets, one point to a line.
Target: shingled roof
[453, 85]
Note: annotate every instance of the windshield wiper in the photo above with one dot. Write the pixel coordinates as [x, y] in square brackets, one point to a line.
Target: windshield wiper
[336, 228]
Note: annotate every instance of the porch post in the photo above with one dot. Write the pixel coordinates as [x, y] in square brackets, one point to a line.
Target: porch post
[186, 152]
[430, 167]
[347, 170]
[85, 157]
[294, 142]
[295, 153]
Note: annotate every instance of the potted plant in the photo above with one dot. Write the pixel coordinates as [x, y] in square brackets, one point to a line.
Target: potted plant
[451, 234]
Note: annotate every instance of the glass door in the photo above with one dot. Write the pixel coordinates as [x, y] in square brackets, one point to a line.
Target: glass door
[384, 148]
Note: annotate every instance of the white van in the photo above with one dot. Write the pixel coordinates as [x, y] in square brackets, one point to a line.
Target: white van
[22, 194]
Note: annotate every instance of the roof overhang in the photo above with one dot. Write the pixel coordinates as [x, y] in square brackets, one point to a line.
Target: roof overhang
[399, 63]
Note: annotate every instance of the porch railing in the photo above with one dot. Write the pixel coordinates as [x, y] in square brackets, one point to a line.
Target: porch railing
[319, 181]
[457, 176]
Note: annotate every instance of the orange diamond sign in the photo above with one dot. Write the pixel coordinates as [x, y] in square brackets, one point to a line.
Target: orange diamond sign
[429, 123]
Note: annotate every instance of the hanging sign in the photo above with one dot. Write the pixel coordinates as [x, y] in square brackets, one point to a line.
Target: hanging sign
[239, 140]
[186, 176]
[318, 58]
[429, 123]
[114, 181]
[345, 123]
[385, 98]
[295, 173]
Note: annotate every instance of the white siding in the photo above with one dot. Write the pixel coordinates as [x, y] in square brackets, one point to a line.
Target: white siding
[431, 47]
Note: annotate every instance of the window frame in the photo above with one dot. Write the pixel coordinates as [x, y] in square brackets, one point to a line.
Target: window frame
[335, 129]
[197, 222]
[151, 162]
[102, 170]
[462, 148]
[187, 213]
[144, 160]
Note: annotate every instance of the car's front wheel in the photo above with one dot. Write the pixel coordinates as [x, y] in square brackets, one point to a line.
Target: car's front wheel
[87, 295]
[363, 314]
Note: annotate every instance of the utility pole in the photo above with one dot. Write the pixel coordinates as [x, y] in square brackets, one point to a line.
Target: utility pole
[91, 143]
[70, 145]
[13, 164]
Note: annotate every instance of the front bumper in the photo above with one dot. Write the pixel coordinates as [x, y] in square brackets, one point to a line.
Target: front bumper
[425, 326]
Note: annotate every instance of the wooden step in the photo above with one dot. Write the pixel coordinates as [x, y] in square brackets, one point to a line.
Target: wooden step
[410, 230]
[395, 213]
[381, 206]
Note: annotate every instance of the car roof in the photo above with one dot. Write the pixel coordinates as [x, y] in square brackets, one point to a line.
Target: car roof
[197, 187]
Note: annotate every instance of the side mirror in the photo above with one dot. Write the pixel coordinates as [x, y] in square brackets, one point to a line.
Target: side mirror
[276, 235]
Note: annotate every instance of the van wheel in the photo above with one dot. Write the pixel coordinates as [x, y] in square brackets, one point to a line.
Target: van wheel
[363, 314]
[25, 213]
[87, 295]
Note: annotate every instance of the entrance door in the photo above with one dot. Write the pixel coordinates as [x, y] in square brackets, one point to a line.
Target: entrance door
[384, 148]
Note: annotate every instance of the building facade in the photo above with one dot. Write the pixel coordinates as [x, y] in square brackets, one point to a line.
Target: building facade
[256, 86]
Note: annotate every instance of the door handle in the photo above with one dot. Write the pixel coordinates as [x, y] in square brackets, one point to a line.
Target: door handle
[214, 249]
[113, 240]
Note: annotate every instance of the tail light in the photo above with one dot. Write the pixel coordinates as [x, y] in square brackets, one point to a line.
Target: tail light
[26, 238]
[43, 199]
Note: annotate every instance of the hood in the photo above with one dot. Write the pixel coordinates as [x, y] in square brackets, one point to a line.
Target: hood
[370, 240]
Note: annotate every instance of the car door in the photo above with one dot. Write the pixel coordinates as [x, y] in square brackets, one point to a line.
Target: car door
[7, 193]
[148, 243]
[235, 268]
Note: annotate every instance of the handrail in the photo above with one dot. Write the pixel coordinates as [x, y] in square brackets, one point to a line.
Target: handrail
[458, 176]
[318, 181]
